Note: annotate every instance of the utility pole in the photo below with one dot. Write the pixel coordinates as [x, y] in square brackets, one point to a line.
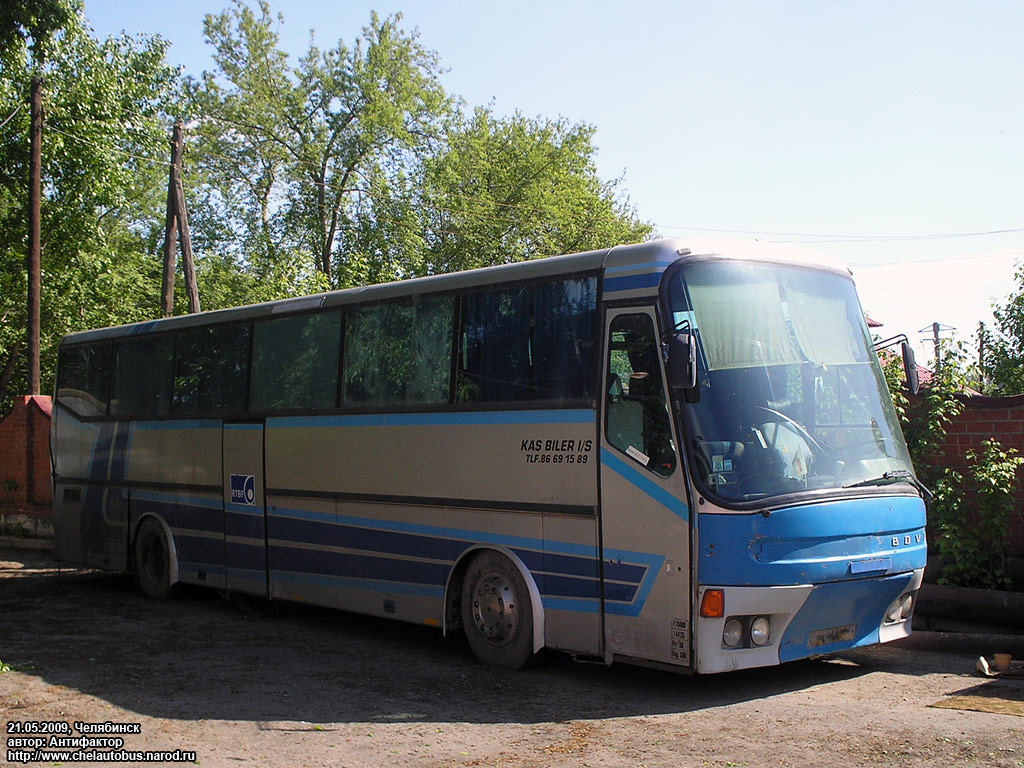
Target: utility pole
[177, 225]
[936, 329]
[35, 172]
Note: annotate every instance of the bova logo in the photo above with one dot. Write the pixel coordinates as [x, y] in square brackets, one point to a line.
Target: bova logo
[243, 490]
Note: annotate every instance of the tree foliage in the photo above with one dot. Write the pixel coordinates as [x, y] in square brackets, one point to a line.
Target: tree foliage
[288, 153]
[1003, 350]
[105, 107]
[349, 165]
[511, 189]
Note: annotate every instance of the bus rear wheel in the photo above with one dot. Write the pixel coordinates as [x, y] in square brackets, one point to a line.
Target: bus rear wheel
[496, 612]
[153, 560]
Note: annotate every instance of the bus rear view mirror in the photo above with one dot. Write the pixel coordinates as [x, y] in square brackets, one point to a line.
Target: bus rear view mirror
[682, 361]
[910, 368]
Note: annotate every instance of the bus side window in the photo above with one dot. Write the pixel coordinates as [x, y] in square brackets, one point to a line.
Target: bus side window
[636, 413]
[83, 378]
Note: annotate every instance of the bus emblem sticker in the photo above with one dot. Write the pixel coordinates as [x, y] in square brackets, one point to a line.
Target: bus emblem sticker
[243, 490]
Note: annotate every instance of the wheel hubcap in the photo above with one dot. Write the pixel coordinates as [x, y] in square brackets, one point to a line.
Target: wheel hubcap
[495, 608]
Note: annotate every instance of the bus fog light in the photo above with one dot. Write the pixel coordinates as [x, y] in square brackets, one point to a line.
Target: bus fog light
[893, 614]
[760, 631]
[906, 606]
[732, 635]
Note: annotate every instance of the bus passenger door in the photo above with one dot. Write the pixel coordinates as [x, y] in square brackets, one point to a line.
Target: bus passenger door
[645, 520]
[245, 510]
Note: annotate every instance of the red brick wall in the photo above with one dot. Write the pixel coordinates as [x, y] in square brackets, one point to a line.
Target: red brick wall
[25, 459]
[1001, 418]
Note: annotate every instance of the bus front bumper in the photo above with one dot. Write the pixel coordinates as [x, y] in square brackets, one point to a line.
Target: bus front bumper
[804, 620]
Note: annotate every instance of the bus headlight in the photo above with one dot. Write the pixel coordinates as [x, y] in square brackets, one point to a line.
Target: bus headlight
[900, 609]
[732, 635]
[760, 631]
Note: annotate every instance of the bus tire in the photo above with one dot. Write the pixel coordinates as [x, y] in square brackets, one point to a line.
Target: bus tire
[496, 612]
[153, 560]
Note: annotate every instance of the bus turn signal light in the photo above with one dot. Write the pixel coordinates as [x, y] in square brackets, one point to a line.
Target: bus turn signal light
[712, 605]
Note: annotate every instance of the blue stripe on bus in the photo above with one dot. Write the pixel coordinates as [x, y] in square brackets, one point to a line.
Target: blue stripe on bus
[445, 548]
[142, 328]
[646, 266]
[351, 565]
[645, 484]
[99, 462]
[632, 282]
[513, 542]
[119, 447]
[449, 419]
[190, 512]
[367, 585]
[195, 568]
[248, 510]
[565, 604]
[566, 572]
[446, 544]
[250, 574]
[179, 424]
[198, 548]
[246, 527]
[247, 556]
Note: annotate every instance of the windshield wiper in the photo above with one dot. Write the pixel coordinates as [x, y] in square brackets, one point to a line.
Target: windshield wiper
[895, 476]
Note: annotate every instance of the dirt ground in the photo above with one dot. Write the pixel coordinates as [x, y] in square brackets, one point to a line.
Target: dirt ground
[284, 686]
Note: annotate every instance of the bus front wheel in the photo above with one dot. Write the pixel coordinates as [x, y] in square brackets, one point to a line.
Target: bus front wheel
[496, 612]
[153, 560]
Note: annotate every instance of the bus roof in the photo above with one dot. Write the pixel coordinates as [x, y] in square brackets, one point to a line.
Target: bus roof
[630, 272]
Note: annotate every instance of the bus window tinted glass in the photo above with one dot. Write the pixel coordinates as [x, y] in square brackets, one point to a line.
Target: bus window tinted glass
[143, 372]
[398, 353]
[211, 374]
[83, 381]
[295, 362]
[532, 343]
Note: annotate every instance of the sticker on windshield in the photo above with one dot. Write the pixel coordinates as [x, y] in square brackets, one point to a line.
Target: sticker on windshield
[635, 454]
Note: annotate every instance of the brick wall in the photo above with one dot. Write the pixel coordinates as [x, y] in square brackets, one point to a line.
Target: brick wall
[25, 491]
[1001, 418]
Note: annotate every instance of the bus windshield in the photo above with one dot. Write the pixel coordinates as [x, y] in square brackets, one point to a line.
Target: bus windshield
[791, 396]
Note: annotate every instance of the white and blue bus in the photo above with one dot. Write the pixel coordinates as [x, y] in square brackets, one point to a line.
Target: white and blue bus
[682, 459]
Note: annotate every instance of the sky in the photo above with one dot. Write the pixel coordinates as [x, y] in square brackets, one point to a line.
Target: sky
[888, 134]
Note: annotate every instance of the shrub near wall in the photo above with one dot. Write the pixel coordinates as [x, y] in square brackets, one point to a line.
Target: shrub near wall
[984, 418]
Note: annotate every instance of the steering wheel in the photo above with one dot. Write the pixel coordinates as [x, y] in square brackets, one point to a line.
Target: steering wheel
[778, 418]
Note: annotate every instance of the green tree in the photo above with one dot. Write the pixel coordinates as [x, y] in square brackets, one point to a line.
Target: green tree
[1003, 350]
[510, 189]
[925, 423]
[104, 173]
[290, 153]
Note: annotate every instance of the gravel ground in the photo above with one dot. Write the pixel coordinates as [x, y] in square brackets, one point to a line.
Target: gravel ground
[272, 685]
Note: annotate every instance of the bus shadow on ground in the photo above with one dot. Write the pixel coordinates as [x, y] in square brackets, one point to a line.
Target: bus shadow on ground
[199, 657]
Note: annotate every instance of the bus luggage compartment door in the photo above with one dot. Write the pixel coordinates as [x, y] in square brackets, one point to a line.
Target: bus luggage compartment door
[245, 510]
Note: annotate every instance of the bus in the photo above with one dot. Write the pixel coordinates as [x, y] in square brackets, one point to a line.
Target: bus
[682, 458]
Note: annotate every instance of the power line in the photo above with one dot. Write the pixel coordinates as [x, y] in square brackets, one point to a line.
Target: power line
[17, 109]
[834, 238]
